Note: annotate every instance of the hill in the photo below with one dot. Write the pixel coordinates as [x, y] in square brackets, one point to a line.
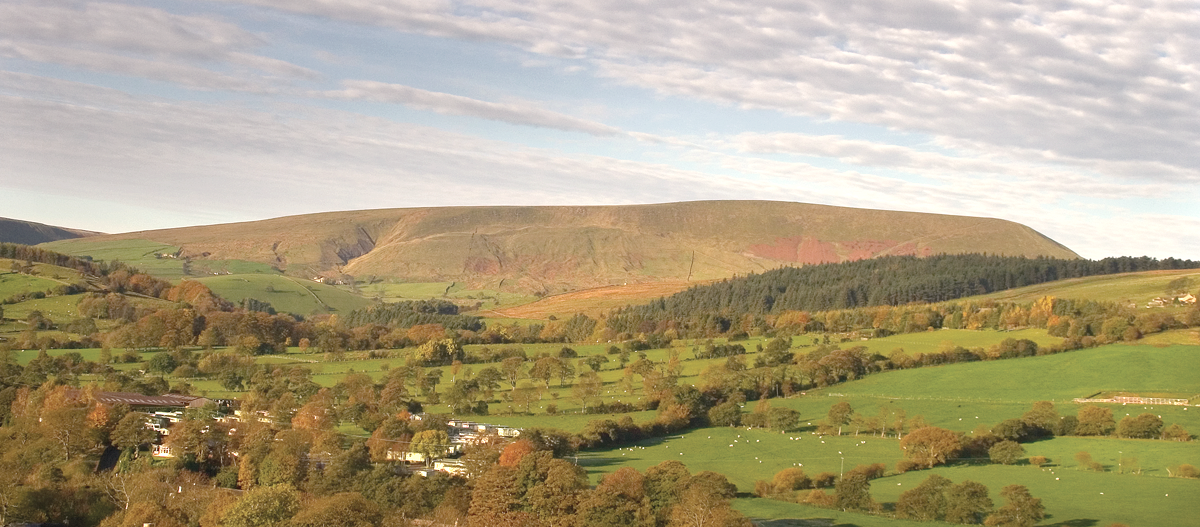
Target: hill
[31, 233]
[555, 249]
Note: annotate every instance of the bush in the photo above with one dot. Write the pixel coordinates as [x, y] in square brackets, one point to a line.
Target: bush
[725, 414]
[1038, 461]
[1006, 452]
[1187, 471]
[905, 465]
[824, 480]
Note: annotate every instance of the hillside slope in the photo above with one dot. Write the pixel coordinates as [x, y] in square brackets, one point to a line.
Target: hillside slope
[32, 233]
[554, 249]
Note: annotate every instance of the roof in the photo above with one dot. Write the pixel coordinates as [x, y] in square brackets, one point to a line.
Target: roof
[137, 399]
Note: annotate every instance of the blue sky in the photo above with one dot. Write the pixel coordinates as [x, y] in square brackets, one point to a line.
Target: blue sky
[1079, 119]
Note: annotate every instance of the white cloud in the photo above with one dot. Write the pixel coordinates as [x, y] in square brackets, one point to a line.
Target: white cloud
[192, 51]
[1097, 83]
[521, 113]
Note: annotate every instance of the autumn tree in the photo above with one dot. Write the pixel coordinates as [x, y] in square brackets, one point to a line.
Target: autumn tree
[697, 507]
[347, 509]
[926, 502]
[1020, 509]
[263, 507]
[840, 415]
[619, 500]
[588, 388]
[930, 445]
[1176, 432]
[967, 502]
[1095, 421]
[1144, 426]
[854, 492]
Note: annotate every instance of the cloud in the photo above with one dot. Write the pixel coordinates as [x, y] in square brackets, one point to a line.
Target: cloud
[1099, 85]
[193, 51]
[520, 113]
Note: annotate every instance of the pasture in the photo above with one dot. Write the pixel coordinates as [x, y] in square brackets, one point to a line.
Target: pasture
[595, 301]
[1135, 288]
[285, 294]
[137, 253]
[488, 299]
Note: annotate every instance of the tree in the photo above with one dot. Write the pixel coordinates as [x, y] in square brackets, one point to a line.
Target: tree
[1144, 426]
[347, 509]
[926, 502]
[664, 485]
[619, 500]
[930, 445]
[1095, 421]
[512, 369]
[544, 369]
[262, 507]
[967, 502]
[1006, 452]
[727, 413]
[595, 362]
[1176, 433]
[431, 444]
[854, 492]
[588, 388]
[783, 419]
[514, 452]
[131, 432]
[840, 415]
[1020, 510]
[698, 508]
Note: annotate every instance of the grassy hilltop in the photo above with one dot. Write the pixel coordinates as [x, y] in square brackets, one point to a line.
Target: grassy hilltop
[556, 249]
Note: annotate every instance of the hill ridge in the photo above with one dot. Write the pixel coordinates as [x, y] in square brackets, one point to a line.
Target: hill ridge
[32, 233]
[560, 248]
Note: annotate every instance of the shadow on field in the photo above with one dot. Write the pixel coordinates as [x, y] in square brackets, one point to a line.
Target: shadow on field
[599, 462]
[1082, 522]
[809, 522]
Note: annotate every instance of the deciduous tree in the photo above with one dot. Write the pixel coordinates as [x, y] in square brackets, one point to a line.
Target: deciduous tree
[1020, 509]
[930, 445]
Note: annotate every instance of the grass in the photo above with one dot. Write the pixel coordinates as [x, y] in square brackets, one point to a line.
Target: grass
[285, 294]
[1060, 377]
[137, 253]
[15, 283]
[933, 341]
[390, 291]
[596, 301]
[1135, 288]
[1146, 499]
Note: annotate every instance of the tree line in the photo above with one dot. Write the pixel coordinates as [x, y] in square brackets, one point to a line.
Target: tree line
[892, 281]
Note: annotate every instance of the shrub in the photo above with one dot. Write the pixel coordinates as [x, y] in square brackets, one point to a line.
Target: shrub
[1187, 471]
[824, 480]
[1006, 452]
[1038, 460]
[905, 465]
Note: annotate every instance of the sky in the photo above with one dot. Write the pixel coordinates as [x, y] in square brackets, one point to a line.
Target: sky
[1080, 119]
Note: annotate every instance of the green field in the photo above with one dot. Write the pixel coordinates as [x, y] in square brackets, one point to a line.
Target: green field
[1060, 377]
[1136, 288]
[145, 256]
[137, 253]
[958, 402]
[390, 291]
[285, 294]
